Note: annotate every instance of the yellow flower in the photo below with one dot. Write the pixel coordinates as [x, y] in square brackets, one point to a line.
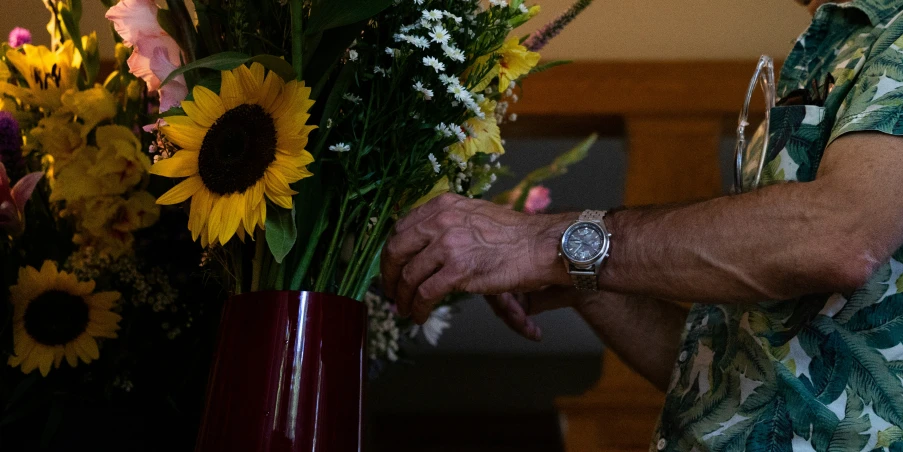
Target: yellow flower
[441, 187]
[238, 146]
[5, 75]
[91, 106]
[114, 167]
[106, 223]
[515, 62]
[55, 316]
[48, 74]
[59, 136]
[484, 135]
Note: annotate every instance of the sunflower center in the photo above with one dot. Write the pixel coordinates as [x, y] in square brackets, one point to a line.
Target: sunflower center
[237, 150]
[56, 317]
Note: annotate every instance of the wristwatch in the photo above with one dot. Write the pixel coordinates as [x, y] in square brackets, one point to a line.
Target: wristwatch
[584, 246]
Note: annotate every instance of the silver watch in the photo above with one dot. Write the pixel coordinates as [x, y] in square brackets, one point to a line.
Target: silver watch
[584, 246]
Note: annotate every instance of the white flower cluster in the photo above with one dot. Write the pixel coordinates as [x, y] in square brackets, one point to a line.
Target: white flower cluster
[383, 332]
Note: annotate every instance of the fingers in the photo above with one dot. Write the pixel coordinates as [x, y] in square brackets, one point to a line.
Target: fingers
[513, 310]
[432, 291]
[413, 234]
[422, 266]
[397, 252]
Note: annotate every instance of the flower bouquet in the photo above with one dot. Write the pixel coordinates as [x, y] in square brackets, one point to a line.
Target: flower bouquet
[102, 309]
[294, 133]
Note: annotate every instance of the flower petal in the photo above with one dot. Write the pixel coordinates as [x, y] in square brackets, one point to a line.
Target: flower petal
[181, 192]
[231, 91]
[182, 164]
[200, 213]
[184, 132]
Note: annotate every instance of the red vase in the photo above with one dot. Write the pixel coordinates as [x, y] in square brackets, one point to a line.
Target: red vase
[288, 375]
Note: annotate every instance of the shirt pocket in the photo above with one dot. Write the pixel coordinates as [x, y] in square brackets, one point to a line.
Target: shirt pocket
[797, 138]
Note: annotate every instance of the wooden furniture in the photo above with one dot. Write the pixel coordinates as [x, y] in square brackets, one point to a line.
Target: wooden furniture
[674, 115]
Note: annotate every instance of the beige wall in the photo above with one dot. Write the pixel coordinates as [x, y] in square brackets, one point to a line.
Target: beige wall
[609, 30]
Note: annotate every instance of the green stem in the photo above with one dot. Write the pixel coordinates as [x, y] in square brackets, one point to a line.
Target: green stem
[350, 283]
[316, 233]
[297, 11]
[257, 263]
[332, 251]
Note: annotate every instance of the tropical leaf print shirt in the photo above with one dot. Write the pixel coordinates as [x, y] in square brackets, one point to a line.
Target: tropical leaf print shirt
[823, 372]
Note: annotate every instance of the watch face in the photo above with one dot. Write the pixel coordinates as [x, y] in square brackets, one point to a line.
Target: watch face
[584, 243]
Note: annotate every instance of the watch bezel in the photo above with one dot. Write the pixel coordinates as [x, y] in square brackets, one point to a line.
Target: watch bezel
[595, 257]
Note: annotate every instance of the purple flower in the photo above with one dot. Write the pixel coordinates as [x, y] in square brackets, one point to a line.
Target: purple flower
[10, 142]
[19, 37]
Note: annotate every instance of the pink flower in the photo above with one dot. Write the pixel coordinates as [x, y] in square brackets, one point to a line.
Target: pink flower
[19, 37]
[12, 201]
[538, 200]
[155, 54]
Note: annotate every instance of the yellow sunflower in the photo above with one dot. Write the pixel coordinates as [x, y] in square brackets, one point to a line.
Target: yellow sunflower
[56, 316]
[238, 146]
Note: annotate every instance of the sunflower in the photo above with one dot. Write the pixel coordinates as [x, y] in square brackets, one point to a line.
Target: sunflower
[238, 146]
[57, 316]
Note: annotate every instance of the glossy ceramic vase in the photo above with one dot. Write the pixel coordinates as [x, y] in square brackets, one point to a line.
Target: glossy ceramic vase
[288, 375]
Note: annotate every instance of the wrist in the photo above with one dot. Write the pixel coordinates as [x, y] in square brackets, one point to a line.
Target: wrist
[548, 264]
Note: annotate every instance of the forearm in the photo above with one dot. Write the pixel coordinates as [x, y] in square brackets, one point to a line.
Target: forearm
[775, 243]
[645, 333]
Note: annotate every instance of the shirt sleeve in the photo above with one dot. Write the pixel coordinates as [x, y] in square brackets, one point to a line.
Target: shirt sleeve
[875, 102]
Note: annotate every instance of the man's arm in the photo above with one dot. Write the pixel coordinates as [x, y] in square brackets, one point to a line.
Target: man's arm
[778, 242]
[644, 332]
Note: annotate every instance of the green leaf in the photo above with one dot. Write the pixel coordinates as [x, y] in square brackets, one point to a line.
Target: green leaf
[280, 231]
[549, 65]
[224, 61]
[276, 64]
[326, 51]
[372, 271]
[558, 167]
[335, 13]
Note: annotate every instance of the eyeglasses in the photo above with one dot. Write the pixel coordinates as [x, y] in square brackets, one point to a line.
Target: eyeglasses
[752, 152]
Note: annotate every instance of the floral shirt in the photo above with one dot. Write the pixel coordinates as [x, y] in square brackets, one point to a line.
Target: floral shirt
[822, 372]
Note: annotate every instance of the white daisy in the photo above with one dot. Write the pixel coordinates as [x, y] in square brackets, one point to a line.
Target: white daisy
[523, 9]
[460, 134]
[459, 92]
[352, 55]
[432, 15]
[340, 147]
[434, 63]
[390, 51]
[448, 80]
[453, 53]
[439, 34]
[352, 98]
[427, 93]
[435, 163]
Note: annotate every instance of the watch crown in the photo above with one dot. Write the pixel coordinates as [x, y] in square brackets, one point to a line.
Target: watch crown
[609, 234]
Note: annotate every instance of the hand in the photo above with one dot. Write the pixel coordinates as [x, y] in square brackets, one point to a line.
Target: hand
[456, 244]
[515, 309]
